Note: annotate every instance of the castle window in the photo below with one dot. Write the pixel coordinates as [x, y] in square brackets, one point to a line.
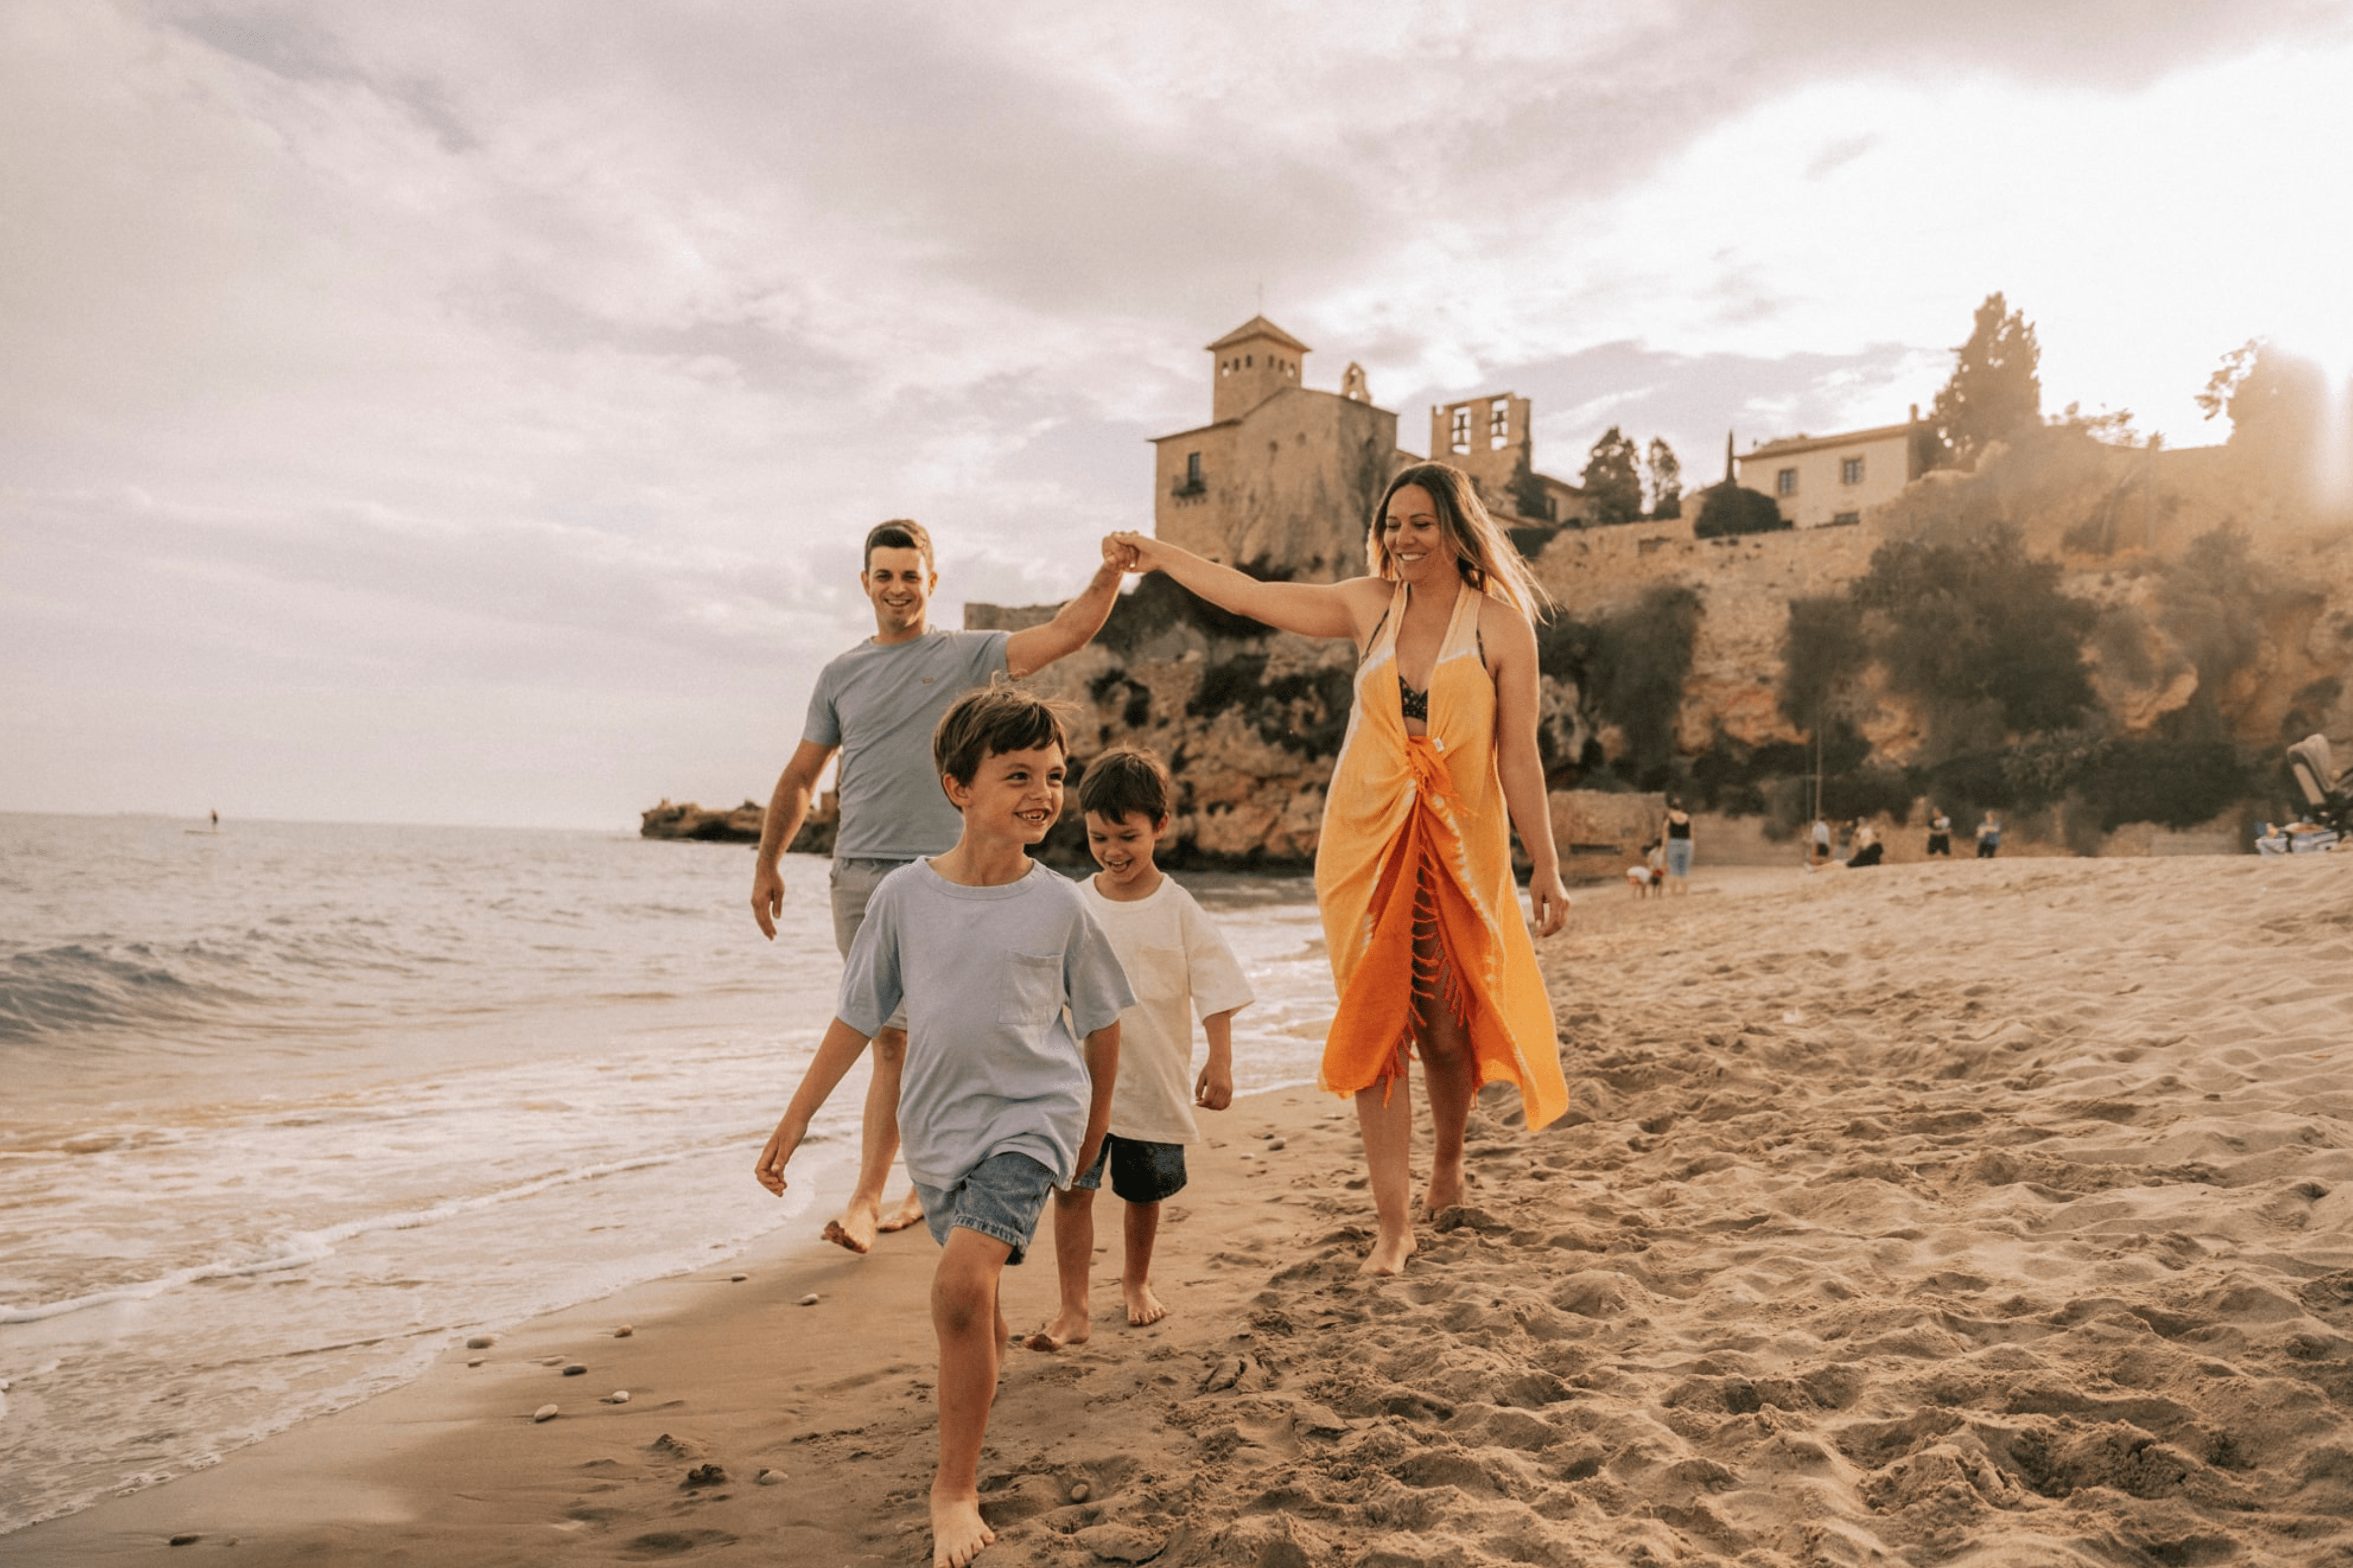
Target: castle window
[1248, 359]
[1845, 518]
[1459, 438]
[1498, 424]
[1851, 470]
[1785, 483]
[1192, 468]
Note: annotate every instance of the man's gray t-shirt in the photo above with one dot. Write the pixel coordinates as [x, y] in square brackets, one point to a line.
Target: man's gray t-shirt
[880, 705]
[992, 1064]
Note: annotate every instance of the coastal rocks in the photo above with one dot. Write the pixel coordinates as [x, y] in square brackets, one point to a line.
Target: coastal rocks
[688, 821]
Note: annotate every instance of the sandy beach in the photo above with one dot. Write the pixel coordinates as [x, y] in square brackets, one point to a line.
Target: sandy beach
[1993, 1214]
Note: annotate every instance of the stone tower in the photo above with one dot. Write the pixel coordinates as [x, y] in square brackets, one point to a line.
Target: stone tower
[1255, 360]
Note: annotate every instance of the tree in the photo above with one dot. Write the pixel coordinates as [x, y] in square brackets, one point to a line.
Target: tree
[1666, 480]
[1612, 482]
[1730, 508]
[2277, 405]
[1974, 627]
[1994, 388]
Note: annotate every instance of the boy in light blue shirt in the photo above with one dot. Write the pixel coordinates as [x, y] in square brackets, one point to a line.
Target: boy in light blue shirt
[999, 1102]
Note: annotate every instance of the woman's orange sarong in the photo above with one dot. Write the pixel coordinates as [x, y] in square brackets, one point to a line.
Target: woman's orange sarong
[1415, 826]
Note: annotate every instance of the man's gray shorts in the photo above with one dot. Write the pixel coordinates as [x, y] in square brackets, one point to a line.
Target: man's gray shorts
[853, 884]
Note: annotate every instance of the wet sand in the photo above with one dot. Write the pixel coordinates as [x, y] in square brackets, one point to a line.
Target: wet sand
[1986, 1213]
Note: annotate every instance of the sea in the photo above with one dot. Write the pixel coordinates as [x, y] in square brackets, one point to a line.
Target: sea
[285, 1109]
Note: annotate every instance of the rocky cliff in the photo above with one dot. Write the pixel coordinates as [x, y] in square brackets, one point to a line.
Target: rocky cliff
[2219, 624]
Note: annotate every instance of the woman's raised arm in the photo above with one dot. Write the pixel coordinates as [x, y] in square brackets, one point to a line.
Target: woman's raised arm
[1349, 609]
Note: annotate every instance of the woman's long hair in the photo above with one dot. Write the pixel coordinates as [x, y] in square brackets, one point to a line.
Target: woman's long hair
[1483, 553]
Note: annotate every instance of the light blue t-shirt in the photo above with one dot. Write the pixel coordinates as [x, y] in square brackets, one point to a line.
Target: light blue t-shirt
[993, 1063]
[880, 705]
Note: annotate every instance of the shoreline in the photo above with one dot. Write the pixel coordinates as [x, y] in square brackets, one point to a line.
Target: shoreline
[1973, 1212]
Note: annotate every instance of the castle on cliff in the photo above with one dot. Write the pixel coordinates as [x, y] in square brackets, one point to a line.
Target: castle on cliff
[1283, 478]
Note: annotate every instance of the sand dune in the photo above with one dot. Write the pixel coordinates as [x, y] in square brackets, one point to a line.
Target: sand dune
[1971, 1214]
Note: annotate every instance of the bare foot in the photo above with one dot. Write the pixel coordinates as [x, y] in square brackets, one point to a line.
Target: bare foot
[855, 1228]
[1446, 1191]
[1068, 1327]
[1143, 1306]
[1389, 1255]
[910, 1212]
[958, 1532]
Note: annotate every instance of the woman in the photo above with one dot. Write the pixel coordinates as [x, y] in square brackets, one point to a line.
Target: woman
[1413, 870]
[1678, 836]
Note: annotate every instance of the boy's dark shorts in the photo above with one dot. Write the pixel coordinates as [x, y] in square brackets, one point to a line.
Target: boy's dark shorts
[1001, 1198]
[1141, 1172]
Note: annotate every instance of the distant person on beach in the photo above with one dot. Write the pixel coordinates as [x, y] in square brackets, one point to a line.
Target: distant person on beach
[1940, 833]
[1642, 878]
[1677, 834]
[1988, 837]
[1179, 967]
[1003, 972]
[1413, 868]
[1868, 850]
[1821, 838]
[216, 815]
[877, 705]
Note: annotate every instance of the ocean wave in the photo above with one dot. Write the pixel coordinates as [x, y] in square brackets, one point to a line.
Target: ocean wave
[301, 1248]
[72, 988]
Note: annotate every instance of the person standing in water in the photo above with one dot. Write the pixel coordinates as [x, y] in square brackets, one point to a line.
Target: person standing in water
[1413, 869]
[877, 705]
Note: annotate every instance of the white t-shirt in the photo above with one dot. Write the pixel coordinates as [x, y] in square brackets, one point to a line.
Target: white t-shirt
[1001, 984]
[1180, 968]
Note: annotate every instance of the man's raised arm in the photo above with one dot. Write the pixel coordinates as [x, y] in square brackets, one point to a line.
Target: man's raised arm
[787, 806]
[1075, 625]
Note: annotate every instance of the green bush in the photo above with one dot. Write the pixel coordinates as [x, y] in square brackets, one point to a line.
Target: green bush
[2173, 783]
[1822, 654]
[1726, 510]
[1970, 626]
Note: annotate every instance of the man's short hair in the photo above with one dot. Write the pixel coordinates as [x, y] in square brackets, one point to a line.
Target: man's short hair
[1124, 781]
[898, 534]
[991, 720]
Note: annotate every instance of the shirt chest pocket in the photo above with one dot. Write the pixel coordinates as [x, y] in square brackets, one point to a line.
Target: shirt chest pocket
[1031, 991]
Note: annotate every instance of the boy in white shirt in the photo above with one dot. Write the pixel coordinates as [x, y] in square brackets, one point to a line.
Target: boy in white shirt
[1004, 972]
[1178, 965]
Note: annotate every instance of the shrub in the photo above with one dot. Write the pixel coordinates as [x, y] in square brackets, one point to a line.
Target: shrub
[1822, 653]
[1728, 508]
[1970, 624]
[2173, 783]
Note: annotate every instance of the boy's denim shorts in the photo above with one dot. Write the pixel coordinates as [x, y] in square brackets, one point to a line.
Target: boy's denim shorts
[1141, 1172]
[1001, 1197]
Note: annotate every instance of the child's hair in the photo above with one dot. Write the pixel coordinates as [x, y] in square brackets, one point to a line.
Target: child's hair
[1125, 781]
[898, 534]
[996, 719]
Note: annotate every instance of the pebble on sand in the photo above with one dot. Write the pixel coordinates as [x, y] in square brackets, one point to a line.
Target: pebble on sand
[575, 1369]
[771, 1477]
[808, 1300]
[544, 1412]
[624, 1331]
[476, 1361]
[618, 1396]
[188, 1539]
[737, 1278]
[1080, 1491]
[481, 1342]
[704, 1476]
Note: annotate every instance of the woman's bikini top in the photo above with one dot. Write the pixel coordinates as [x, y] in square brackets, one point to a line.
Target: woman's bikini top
[1413, 703]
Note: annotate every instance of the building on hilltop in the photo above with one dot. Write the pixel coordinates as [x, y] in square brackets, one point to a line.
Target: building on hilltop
[1488, 439]
[1283, 478]
[1821, 480]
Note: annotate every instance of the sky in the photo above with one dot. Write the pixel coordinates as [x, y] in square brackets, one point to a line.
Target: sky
[457, 413]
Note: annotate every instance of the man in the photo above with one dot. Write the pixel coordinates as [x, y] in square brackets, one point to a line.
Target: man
[877, 705]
